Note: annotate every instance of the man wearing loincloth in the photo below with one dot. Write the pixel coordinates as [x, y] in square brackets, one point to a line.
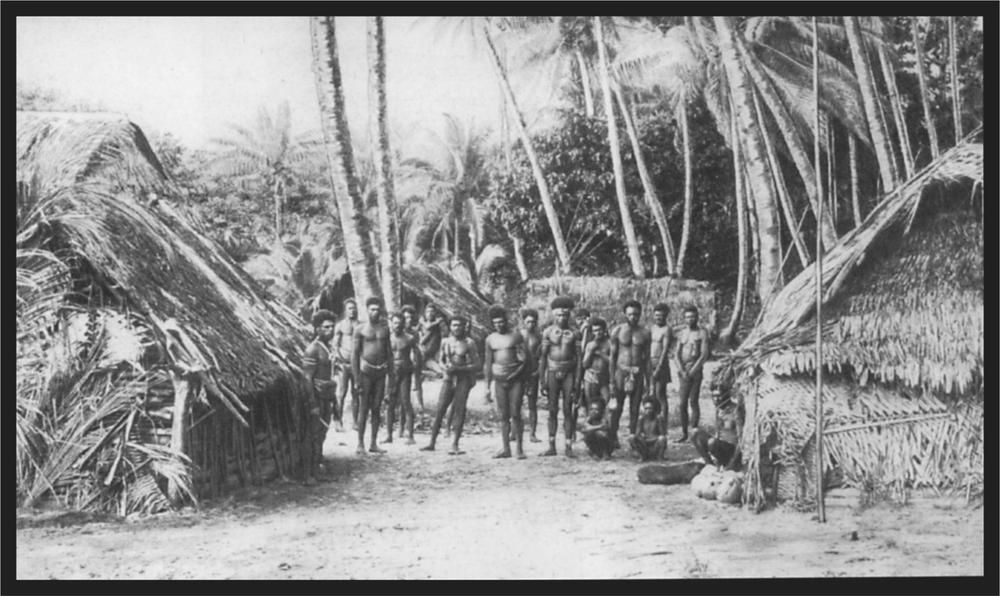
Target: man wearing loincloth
[343, 349]
[412, 326]
[558, 366]
[459, 360]
[433, 328]
[723, 449]
[532, 346]
[630, 343]
[405, 359]
[690, 356]
[371, 364]
[595, 431]
[504, 358]
[650, 440]
[317, 367]
[597, 364]
[661, 337]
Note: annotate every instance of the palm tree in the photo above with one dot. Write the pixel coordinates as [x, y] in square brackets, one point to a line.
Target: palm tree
[728, 335]
[918, 51]
[956, 91]
[348, 202]
[266, 152]
[631, 242]
[392, 286]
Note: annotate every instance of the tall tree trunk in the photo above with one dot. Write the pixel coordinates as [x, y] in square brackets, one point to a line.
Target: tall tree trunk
[543, 188]
[765, 203]
[522, 267]
[279, 191]
[889, 74]
[392, 285]
[348, 201]
[588, 94]
[649, 191]
[869, 96]
[956, 90]
[631, 241]
[831, 168]
[796, 147]
[855, 195]
[787, 209]
[918, 47]
[728, 335]
[688, 187]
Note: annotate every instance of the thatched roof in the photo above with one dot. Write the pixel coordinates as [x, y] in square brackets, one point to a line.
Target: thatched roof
[432, 283]
[903, 294]
[208, 313]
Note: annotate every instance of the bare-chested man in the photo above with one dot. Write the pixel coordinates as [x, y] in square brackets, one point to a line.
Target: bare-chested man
[412, 326]
[650, 439]
[405, 359]
[630, 355]
[343, 352]
[504, 366]
[597, 364]
[371, 364]
[432, 328]
[317, 366]
[722, 450]
[459, 360]
[690, 356]
[533, 345]
[558, 367]
[659, 359]
[595, 431]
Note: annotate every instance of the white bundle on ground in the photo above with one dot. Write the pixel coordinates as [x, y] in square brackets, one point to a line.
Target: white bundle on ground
[714, 484]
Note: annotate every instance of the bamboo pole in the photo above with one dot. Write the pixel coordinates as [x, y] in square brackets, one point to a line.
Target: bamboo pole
[821, 507]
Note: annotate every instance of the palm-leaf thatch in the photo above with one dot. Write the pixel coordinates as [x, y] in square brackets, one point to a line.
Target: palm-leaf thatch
[902, 343]
[127, 315]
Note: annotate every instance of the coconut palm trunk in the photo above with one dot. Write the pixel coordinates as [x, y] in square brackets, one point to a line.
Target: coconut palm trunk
[348, 201]
[796, 147]
[956, 90]
[855, 196]
[728, 335]
[631, 241]
[588, 94]
[522, 128]
[918, 47]
[522, 267]
[759, 181]
[869, 96]
[889, 74]
[688, 187]
[392, 286]
[649, 190]
[278, 189]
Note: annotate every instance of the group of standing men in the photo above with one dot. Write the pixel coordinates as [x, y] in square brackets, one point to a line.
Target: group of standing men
[581, 367]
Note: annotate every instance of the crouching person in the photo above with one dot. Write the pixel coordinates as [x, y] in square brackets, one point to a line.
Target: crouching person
[723, 449]
[596, 431]
[650, 439]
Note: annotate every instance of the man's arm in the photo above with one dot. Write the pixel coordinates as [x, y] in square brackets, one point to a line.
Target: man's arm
[703, 338]
[356, 352]
[614, 352]
[310, 361]
[588, 354]
[681, 373]
[476, 362]
[543, 354]
[338, 338]
[521, 351]
[416, 358]
[390, 365]
[488, 360]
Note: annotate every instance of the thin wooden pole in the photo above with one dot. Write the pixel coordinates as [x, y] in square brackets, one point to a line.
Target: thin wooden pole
[821, 508]
[956, 92]
[924, 101]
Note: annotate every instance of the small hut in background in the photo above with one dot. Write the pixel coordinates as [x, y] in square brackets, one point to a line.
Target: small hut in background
[151, 368]
[902, 352]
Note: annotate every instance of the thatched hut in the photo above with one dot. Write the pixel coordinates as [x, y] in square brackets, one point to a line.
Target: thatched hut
[902, 351]
[151, 368]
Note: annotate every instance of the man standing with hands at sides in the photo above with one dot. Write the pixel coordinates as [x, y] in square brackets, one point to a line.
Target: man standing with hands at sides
[460, 362]
[371, 364]
[659, 359]
[504, 366]
[692, 352]
[405, 360]
[630, 355]
[532, 345]
[596, 365]
[558, 367]
[343, 347]
[582, 317]
[412, 326]
[432, 328]
[317, 367]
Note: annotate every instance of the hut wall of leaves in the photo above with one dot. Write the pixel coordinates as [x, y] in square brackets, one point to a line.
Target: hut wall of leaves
[902, 352]
[150, 368]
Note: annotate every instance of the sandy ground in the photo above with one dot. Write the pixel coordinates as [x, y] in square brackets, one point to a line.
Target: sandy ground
[417, 515]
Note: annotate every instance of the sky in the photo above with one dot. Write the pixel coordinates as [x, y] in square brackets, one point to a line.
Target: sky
[191, 75]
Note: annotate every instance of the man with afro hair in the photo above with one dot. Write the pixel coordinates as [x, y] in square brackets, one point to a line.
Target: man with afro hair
[558, 368]
[317, 368]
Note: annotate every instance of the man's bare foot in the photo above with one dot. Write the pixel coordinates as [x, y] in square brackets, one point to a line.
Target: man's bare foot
[682, 439]
[502, 454]
[535, 439]
[551, 451]
[338, 426]
[360, 450]
[427, 448]
[455, 451]
[568, 452]
[387, 439]
[376, 449]
[410, 441]
[521, 455]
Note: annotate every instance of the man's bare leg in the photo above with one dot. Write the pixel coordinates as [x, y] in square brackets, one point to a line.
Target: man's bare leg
[533, 411]
[377, 390]
[444, 400]
[501, 393]
[462, 386]
[569, 414]
[391, 413]
[518, 422]
[362, 419]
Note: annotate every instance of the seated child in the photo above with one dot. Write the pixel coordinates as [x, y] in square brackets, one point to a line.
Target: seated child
[596, 432]
[723, 449]
[650, 440]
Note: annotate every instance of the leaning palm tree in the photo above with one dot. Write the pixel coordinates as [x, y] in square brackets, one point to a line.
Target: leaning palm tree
[348, 202]
[267, 152]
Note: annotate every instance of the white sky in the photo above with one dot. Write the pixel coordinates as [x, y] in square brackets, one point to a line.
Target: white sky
[190, 75]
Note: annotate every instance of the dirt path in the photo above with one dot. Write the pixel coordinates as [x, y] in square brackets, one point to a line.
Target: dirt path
[414, 515]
